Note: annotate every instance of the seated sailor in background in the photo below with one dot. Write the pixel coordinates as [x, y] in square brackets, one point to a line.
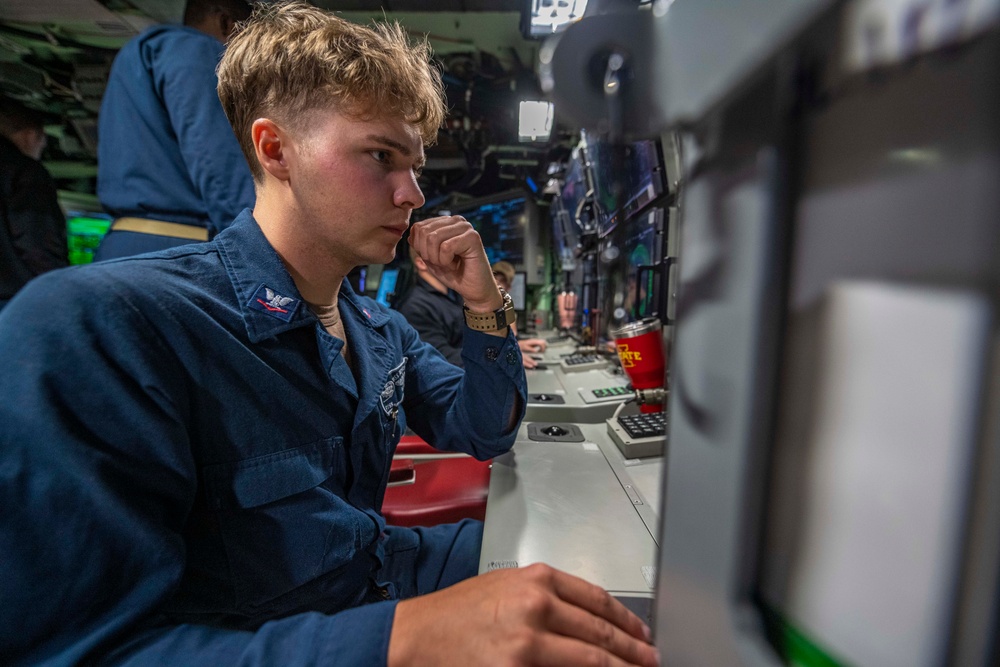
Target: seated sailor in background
[503, 273]
[438, 315]
[194, 444]
[435, 311]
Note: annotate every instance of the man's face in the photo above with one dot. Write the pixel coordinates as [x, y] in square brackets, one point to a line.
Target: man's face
[30, 141]
[356, 183]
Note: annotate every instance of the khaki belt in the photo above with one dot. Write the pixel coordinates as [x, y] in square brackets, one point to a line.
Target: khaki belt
[160, 228]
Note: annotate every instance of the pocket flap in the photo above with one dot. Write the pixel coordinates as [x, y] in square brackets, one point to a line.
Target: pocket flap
[271, 477]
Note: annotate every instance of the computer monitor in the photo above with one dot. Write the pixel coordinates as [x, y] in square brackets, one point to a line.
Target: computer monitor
[508, 223]
[570, 220]
[642, 179]
[358, 277]
[373, 276]
[628, 279]
[632, 287]
[643, 251]
[829, 491]
[574, 191]
[518, 290]
[564, 236]
[387, 286]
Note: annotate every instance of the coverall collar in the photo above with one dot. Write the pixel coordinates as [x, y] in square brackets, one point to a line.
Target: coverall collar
[270, 303]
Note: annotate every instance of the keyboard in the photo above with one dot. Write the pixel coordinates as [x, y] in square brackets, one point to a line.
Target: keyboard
[578, 363]
[644, 425]
[580, 359]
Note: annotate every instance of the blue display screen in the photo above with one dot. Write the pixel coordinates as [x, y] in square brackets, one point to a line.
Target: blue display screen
[387, 286]
[501, 224]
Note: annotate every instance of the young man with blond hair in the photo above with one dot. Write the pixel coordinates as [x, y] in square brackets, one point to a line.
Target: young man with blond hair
[194, 444]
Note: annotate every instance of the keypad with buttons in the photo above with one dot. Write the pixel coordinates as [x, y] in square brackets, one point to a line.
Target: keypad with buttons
[578, 359]
[609, 392]
[644, 425]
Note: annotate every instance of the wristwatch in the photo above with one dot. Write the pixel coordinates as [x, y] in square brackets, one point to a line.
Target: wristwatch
[495, 320]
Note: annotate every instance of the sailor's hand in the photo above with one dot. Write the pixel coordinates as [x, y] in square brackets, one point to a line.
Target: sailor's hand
[532, 345]
[526, 616]
[454, 254]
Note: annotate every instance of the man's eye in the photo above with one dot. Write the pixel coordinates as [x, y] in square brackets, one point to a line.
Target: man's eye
[417, 171]
[381, 156]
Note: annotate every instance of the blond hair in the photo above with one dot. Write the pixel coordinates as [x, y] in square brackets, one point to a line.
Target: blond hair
[291, 58]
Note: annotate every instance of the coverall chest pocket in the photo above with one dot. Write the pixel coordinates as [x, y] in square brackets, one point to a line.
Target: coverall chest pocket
[283, 519]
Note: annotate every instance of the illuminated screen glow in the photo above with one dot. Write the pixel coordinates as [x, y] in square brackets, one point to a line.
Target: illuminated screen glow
[501, 225]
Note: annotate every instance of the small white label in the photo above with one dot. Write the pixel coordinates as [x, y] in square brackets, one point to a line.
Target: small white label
[590, 447]
[649, 574]
[501, 565]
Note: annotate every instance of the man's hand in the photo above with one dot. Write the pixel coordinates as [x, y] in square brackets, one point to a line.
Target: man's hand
[454, 254]
[528, 346]
[529, 616]
[535, 345]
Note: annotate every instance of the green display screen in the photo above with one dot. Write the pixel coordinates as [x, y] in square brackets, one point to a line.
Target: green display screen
[796, 647]
[84, 234]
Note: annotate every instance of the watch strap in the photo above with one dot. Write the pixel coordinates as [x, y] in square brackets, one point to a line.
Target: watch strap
[495, 320]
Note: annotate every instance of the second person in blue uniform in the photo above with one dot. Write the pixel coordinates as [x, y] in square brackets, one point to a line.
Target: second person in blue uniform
[168, 162]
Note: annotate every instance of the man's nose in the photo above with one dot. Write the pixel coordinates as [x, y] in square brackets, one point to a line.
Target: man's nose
[408, 193]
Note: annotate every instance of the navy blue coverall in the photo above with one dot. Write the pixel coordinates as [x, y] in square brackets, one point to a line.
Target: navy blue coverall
[191, 474]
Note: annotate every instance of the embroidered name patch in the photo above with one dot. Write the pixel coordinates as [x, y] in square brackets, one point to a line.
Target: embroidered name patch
[392, 392]
[266, 300]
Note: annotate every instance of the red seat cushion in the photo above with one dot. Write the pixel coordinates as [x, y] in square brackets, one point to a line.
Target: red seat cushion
[414, 444]
[444, 491]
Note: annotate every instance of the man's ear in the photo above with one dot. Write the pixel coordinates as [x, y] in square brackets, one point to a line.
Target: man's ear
[269, 142]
